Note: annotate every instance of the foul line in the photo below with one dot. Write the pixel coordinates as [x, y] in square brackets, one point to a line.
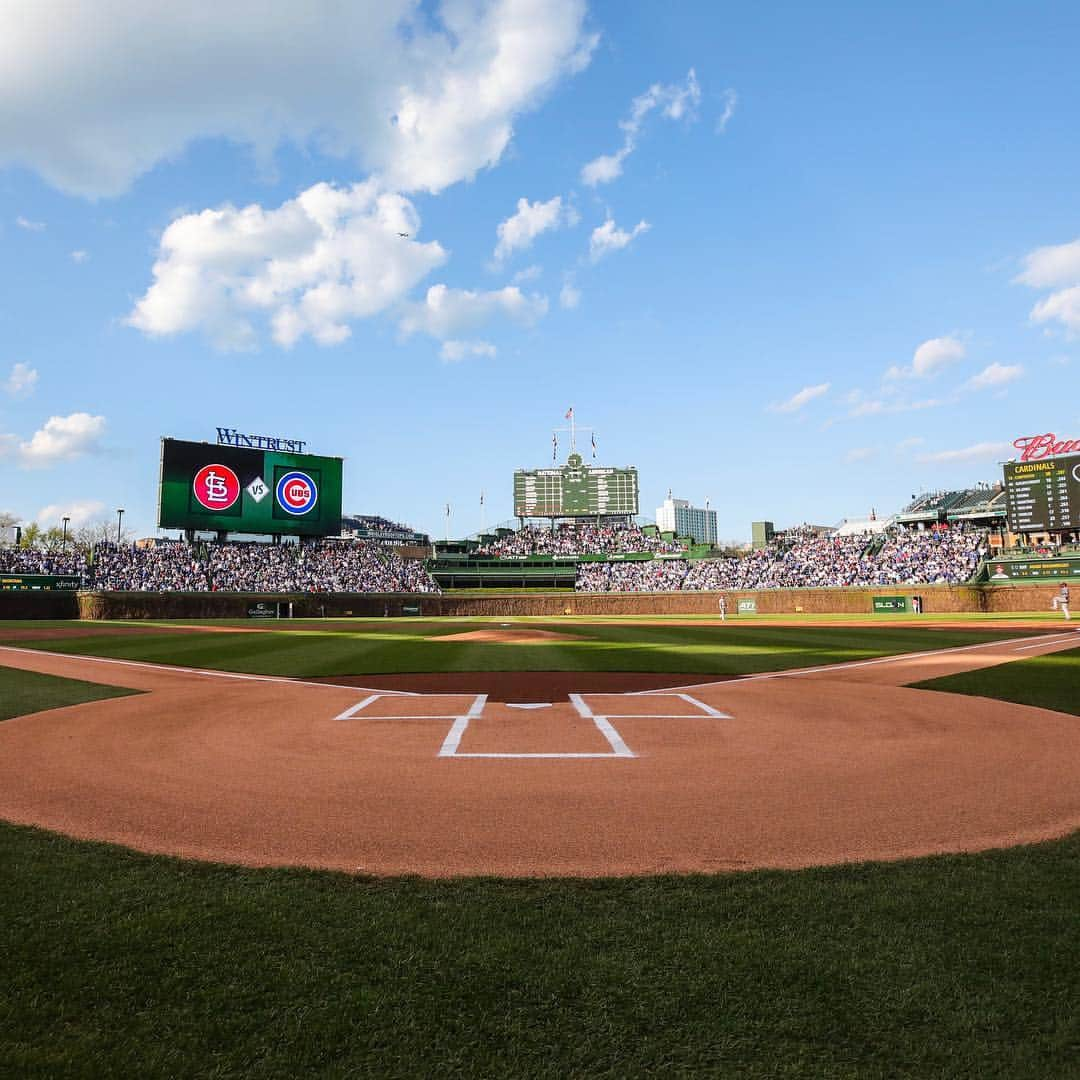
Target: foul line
[847, 665]
[177, 669]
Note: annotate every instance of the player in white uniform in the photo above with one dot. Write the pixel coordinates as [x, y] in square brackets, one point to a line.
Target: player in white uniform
[1062, 600]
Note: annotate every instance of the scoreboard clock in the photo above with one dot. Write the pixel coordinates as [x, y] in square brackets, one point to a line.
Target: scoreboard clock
[1044, 495]
[575, 490]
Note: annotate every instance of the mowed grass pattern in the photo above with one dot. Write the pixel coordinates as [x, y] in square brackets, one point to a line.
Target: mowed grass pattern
[386, 647]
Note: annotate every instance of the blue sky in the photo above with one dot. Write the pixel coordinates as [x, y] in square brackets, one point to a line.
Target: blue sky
[800, 260]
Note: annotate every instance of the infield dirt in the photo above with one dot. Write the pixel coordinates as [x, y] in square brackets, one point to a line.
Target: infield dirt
[803, 768]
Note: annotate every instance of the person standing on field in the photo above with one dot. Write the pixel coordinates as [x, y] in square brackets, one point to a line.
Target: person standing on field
[723, 609]
[1062, 600]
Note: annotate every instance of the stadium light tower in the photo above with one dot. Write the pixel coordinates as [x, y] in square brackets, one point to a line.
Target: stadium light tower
[65, 521]
[119, 518]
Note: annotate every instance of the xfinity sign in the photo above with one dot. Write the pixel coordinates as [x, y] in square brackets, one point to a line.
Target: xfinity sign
[231, 437]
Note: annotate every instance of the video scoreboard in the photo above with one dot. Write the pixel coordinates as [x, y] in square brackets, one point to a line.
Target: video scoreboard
[267, 492]
[575, 490]
[1043, 496]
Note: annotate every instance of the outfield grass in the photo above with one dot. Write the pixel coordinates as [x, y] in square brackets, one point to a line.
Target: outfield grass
[24, 692]
[413, 645]
[1050, 682]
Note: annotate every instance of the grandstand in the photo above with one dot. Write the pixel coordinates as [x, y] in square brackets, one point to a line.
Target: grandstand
[381, 530]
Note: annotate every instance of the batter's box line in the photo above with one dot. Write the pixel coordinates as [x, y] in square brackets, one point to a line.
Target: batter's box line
[451, 746]
[452, 742]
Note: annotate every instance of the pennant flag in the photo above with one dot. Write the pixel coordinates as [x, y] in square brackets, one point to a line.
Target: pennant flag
[569, 412]
[554, 446]
[594, 446]
[481, 498]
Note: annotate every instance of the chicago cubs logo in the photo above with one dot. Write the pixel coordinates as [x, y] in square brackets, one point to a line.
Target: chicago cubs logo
[216, 487]
[296, 492]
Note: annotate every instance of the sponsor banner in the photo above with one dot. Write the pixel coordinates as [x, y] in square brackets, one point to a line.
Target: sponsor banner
[35, 582]
[747, 606]
[263, 609]
[890, 605]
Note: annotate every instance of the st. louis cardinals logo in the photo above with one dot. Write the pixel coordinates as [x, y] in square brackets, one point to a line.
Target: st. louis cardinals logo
[216, 487]
[296, 493]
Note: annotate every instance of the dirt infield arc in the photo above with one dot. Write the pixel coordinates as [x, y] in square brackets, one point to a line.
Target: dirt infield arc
[789, 769]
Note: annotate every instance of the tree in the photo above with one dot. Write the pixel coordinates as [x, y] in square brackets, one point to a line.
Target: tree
[98, 532]
[31, 536]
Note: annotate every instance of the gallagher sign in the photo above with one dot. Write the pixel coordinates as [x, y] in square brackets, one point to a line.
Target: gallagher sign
[226, 489]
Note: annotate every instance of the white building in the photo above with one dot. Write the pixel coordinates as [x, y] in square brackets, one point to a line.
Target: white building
[678, 516]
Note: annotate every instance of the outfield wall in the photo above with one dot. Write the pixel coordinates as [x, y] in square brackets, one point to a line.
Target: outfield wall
[937, 599]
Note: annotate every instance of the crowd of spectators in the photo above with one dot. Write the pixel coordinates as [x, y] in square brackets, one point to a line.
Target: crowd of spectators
[579, 539]
[14, 560]
[802, 558]
[278, 568]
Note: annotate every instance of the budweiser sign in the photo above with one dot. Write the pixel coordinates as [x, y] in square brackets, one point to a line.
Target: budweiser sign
[1034, 447]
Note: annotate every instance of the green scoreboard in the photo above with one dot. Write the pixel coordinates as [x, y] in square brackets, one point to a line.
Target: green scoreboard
[575, 490]
[219, 488]
[1043, 496]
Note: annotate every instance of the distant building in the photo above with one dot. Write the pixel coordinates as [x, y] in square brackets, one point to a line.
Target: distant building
[761, 533]
[678, 516]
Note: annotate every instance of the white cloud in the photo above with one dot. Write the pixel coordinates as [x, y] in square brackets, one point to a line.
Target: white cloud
[569, 296]
[675, 102]
[910, 443]
[996, 375]
[80, 256]
[800, 399]
[1047, 267]
[447, 313]
[519, 230]
[422, 95]
[28, 225]
[309, 266]
[22, 380]
[878, 406]
[609, 237]
[984, 451]
[1053, 265]
[930, 357]
[459, 350]
[62, 438]
[80, 512]
[731, 100]
[859, 453]
[1062, 306]
[529, 273]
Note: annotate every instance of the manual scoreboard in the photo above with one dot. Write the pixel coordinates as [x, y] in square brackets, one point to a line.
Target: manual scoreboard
[575, 490]
[1043, 496]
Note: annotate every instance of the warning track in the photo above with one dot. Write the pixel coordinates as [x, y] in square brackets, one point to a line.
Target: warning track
[789, 769]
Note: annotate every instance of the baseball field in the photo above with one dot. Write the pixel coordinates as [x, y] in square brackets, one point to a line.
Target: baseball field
[541, 847]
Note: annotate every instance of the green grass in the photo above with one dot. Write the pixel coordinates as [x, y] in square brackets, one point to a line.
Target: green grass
[117, 964]
[23, 692]
[1050, 682]
[413, 645]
